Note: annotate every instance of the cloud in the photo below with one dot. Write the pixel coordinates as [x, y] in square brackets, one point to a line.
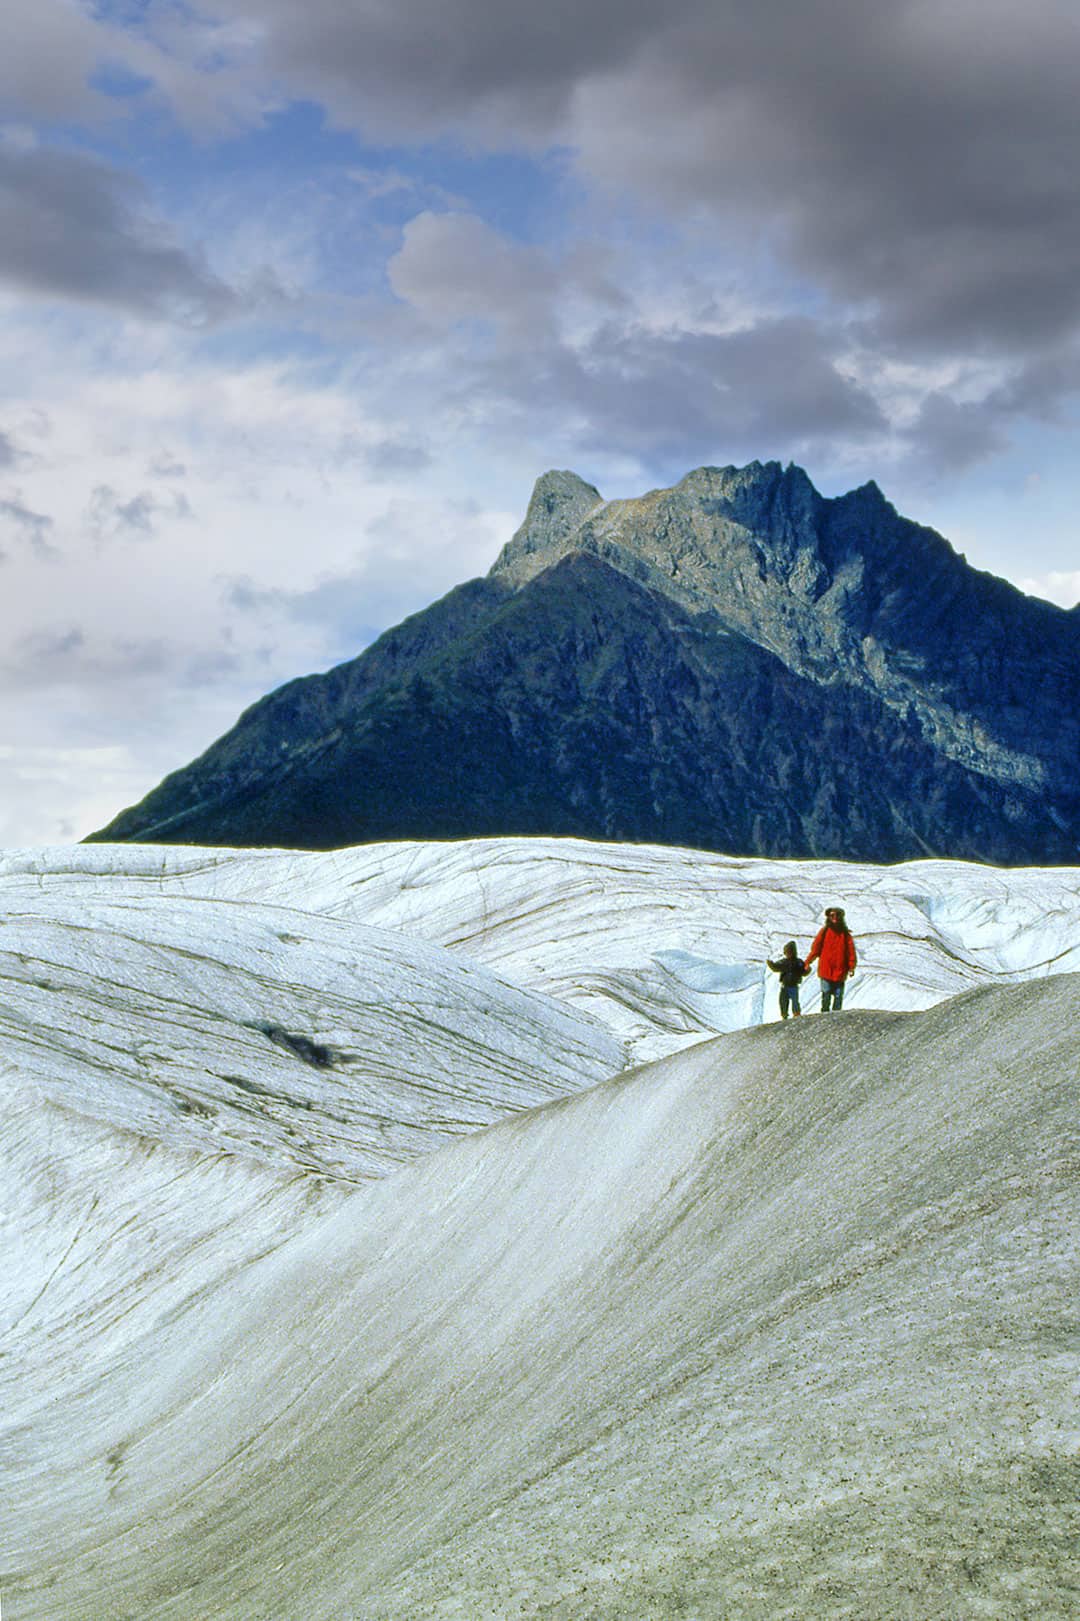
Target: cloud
[8, 454]
[907, 168]
[71, 227]
[408, 541]
[777, 380]
[949, 434]
[391, 458]
[165, 465]
[91, 720]
[960, 427]
[914, 163]
[47, 653]
[51, 48]
[565, 357]
[110, 517]
[85, 655]
[1060, 585]
[54, 795]
[438, 66]
[33, 527]
[454, 267]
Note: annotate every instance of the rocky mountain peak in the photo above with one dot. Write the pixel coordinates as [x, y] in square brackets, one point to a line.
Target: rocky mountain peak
[712, 542]
[757, 545]
[559, 504]
[672, 538]
[750, 494]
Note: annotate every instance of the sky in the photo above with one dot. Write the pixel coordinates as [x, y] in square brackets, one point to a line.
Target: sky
[296, 303]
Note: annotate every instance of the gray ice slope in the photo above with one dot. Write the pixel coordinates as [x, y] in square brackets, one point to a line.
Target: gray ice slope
[782, 1325]
[273, 1033]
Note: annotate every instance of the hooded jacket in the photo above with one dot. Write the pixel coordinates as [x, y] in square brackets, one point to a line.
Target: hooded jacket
[835, 951]
[790, 967]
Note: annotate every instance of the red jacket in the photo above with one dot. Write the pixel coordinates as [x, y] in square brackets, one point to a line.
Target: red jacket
[835, 952]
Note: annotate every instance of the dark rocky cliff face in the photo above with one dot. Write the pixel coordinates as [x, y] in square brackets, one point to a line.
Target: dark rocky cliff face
[735, 663]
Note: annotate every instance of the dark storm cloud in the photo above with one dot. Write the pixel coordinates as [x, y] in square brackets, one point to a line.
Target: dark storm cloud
[437, 65]
[50, 51]
[949, 433]
[697, 394]
[916, 160]
[71, 227]
[953, 434]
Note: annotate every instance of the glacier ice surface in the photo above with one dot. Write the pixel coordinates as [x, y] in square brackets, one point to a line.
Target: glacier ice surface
[350, 1271]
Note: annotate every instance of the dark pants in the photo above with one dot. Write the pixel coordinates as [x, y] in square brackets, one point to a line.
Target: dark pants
[789, 997]
[832, 995]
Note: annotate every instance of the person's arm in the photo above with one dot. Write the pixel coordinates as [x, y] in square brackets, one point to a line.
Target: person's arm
[814, 949]
[852, 954]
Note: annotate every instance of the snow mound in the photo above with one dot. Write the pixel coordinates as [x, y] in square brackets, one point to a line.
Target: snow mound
[783, 1324]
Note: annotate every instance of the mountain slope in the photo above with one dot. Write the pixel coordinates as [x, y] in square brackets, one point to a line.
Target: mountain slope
[736, 663]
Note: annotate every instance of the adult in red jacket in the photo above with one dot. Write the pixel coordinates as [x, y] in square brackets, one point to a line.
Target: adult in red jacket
[834, 950]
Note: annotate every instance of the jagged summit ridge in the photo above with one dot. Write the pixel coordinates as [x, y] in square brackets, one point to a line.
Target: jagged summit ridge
[694, 539]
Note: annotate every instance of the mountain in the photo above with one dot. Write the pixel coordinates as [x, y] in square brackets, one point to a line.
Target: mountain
[736, 663]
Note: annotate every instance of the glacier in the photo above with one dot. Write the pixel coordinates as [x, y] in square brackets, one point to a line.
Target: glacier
[454, 1230]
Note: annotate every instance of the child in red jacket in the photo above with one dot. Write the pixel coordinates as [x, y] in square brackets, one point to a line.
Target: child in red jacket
[834, 950]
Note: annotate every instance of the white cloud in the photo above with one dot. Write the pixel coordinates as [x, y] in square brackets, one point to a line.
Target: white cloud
[454, 267]
[54, 795]
[162, 478]
[1060, 585]
[32, 527]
